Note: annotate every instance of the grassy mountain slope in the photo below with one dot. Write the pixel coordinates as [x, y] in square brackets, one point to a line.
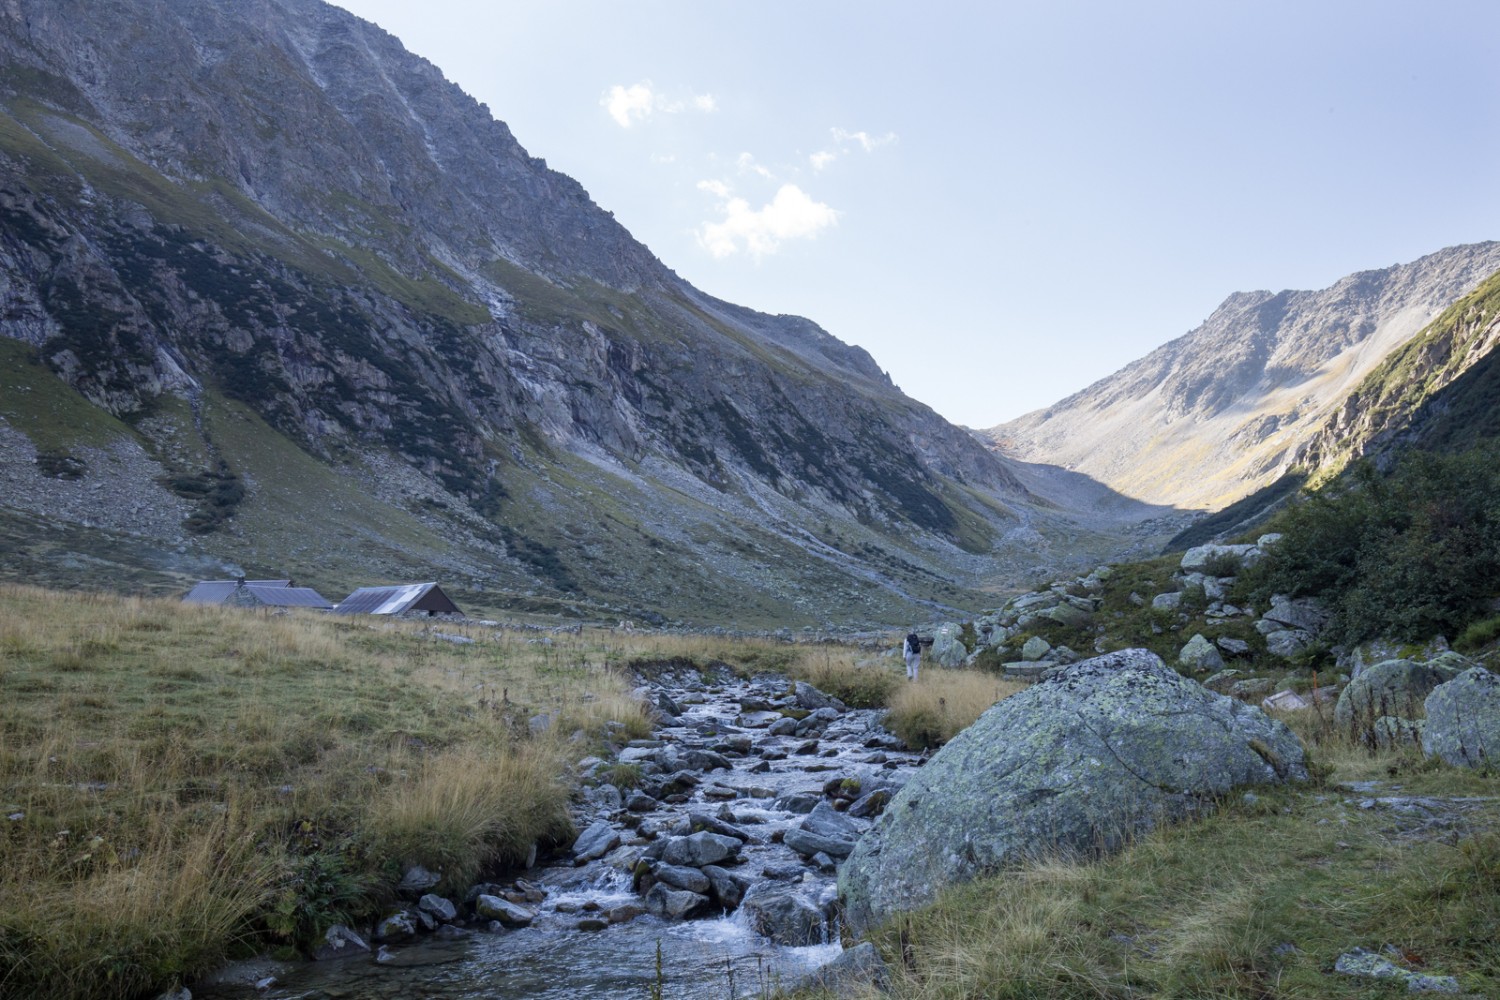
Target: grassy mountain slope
[320, 315]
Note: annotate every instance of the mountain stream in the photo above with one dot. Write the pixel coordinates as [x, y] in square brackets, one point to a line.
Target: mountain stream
[768, 789]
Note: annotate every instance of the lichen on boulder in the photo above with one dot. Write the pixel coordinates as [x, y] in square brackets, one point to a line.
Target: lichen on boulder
[1463, 720]
[1094, 755]
[1395, 687]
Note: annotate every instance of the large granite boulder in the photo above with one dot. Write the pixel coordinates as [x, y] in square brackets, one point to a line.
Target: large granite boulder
[1357, 659]
[1093, 755]
[1463, 720]
[1305, 614]
[947, 649]
[1396, 687]
[824, 830]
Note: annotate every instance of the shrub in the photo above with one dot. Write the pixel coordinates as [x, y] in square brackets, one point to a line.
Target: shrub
[320, 890]
[1409, 554]
[1478, 635]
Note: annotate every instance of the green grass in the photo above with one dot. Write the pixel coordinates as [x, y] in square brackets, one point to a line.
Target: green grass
[48, 410]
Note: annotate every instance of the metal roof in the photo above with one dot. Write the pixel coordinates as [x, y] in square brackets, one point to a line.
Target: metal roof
[397, 599]
[218, 591]
[288, 597]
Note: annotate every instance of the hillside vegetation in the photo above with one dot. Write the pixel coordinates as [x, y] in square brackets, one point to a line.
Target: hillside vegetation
[1405, 555]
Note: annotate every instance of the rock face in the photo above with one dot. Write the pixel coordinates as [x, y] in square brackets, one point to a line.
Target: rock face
[1257, 380]
[269, 213]
[1463, 720]
[1101, 750]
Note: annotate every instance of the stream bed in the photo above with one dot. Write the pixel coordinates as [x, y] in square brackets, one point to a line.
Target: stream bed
[728, 753]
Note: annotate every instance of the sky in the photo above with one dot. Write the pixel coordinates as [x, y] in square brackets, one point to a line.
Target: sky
[1002, 202]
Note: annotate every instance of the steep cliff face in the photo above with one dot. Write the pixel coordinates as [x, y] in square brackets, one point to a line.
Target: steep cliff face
[258, 236]
[1223, 410]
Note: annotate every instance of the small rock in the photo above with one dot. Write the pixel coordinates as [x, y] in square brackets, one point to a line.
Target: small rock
[624, 913]
[682, 877]
[855, 970]
[439, 907]
[396, 928]
[1368, 964]
[340, 942]
[417, 881]
[673, 904]
[785, 916]
[508, 913]
[595, 842]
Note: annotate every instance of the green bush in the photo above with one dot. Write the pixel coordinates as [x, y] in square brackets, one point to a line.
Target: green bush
[1407, 554]
[1478, 635]
[323, 889]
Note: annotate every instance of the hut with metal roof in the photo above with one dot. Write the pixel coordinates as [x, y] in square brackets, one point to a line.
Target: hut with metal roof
[408, 598]
[244, 593]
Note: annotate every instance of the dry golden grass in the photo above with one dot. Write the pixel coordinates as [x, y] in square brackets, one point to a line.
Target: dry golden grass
[856, 680]
[84, 920]
[942, 703]
[462, 810]
[343, 746]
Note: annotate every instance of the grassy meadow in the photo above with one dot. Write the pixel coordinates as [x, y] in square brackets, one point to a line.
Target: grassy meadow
[180, 784]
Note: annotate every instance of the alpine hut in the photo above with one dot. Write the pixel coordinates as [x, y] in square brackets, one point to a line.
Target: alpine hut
[401, 599]
[244, 593]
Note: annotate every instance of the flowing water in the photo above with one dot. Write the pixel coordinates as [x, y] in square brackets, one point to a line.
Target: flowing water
[719, 956]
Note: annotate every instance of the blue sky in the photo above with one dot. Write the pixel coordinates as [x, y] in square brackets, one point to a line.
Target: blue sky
[1002, 202]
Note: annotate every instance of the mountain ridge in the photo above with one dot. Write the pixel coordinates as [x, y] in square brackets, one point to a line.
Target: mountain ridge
[260, 235]
[1219, 412]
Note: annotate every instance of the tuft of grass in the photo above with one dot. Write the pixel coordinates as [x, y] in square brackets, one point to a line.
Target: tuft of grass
[470, 809]
[91, 917]
[857, 684]
[942, 703]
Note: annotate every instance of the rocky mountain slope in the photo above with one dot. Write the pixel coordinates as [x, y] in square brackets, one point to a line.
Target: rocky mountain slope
[279, 297]
[1438, 391]
[1229, 407]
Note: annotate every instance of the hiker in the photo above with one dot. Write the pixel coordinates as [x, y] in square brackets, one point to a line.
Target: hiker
[913, 655]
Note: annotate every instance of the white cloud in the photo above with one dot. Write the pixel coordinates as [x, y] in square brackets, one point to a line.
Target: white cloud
[869, 143]
[638, 102]
[747, 165]
[627, 104]
[821, 159]
[790, 215]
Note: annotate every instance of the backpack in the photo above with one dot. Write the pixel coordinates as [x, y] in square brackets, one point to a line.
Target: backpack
[913, 643]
